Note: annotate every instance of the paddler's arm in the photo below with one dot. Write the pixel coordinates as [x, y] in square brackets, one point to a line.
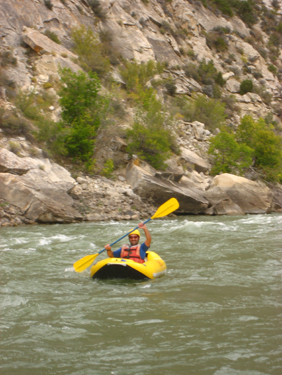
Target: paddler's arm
[109, 251]
[147, 234]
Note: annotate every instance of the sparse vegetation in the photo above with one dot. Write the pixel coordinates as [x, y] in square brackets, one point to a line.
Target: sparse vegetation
[150, 137]
[108, 168]
[90, 51]
[48, 4]
[12, 124]
[53, 36]
[97, 9]
[7, 58]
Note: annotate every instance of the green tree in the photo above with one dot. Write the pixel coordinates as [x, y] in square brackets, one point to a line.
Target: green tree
[228, 155]
[266, 144]
[81, 112]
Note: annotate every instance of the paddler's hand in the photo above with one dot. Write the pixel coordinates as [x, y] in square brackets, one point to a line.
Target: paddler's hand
[109, 251]
[147, 234]
[142, 226]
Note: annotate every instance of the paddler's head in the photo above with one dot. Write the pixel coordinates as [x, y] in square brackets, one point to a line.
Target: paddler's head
[134, 237]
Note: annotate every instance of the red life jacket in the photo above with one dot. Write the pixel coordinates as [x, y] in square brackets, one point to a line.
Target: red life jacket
[132, 252]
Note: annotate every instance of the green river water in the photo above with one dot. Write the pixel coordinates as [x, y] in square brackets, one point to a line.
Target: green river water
[217, 311]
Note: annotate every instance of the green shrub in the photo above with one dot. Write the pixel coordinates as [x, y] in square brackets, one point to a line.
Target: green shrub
[90, 51]
[267, 146]
[108, 48]
[135, 74]
[224, 6]
[191, 71]
[12, 124]
[27, 104]
[228, 155]
[108, 168]
[97, 9]
[81, 112]
[15, 147]
[8, 84]
[207, 71]
[254, 144]
[150, 137]
[246, 86]
[32, 103]
[245, 11]
[53, 36]
[48, 4]
[216, 41]
[7, 59]
[219, 79]
[273, 69]
[211, 112]
[150, 143]
[170, 87]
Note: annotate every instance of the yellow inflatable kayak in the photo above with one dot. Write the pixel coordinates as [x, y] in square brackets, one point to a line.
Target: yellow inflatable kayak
[120, 268]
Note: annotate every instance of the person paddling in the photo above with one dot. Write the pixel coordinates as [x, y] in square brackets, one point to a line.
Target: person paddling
[133, 251]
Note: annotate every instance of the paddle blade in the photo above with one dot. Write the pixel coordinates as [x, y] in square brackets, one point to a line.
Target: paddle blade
[167, 208]
[84, 262]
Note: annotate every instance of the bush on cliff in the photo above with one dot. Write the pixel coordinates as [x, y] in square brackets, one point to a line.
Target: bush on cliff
[151, 137]
[90, 51]
[81, 112]
[137, 75]
[254, 144]
[228, 155]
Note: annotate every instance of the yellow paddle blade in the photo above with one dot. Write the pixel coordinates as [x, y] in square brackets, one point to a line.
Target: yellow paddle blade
[167, 208]
[84, 262]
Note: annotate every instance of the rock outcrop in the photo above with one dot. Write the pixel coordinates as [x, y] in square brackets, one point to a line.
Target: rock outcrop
[37, 189]
[231, 194]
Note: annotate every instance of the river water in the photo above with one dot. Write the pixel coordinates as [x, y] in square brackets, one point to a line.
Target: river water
[218, 309]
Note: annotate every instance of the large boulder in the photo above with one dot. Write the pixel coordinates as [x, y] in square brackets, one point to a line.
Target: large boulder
[38, 188]
[160, 187]
[42, 44]
[230, 194]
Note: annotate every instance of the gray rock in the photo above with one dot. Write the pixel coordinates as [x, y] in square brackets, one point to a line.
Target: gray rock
[40, 190]
[11, 163]
[193, 159]
[93, 217]
[252, 197]
[147, 186]
[41, 43]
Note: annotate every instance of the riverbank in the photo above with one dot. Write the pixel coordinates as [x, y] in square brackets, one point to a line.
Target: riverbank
[37, 190]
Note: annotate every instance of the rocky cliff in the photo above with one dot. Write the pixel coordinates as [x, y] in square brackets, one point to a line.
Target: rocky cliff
[178, 33]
